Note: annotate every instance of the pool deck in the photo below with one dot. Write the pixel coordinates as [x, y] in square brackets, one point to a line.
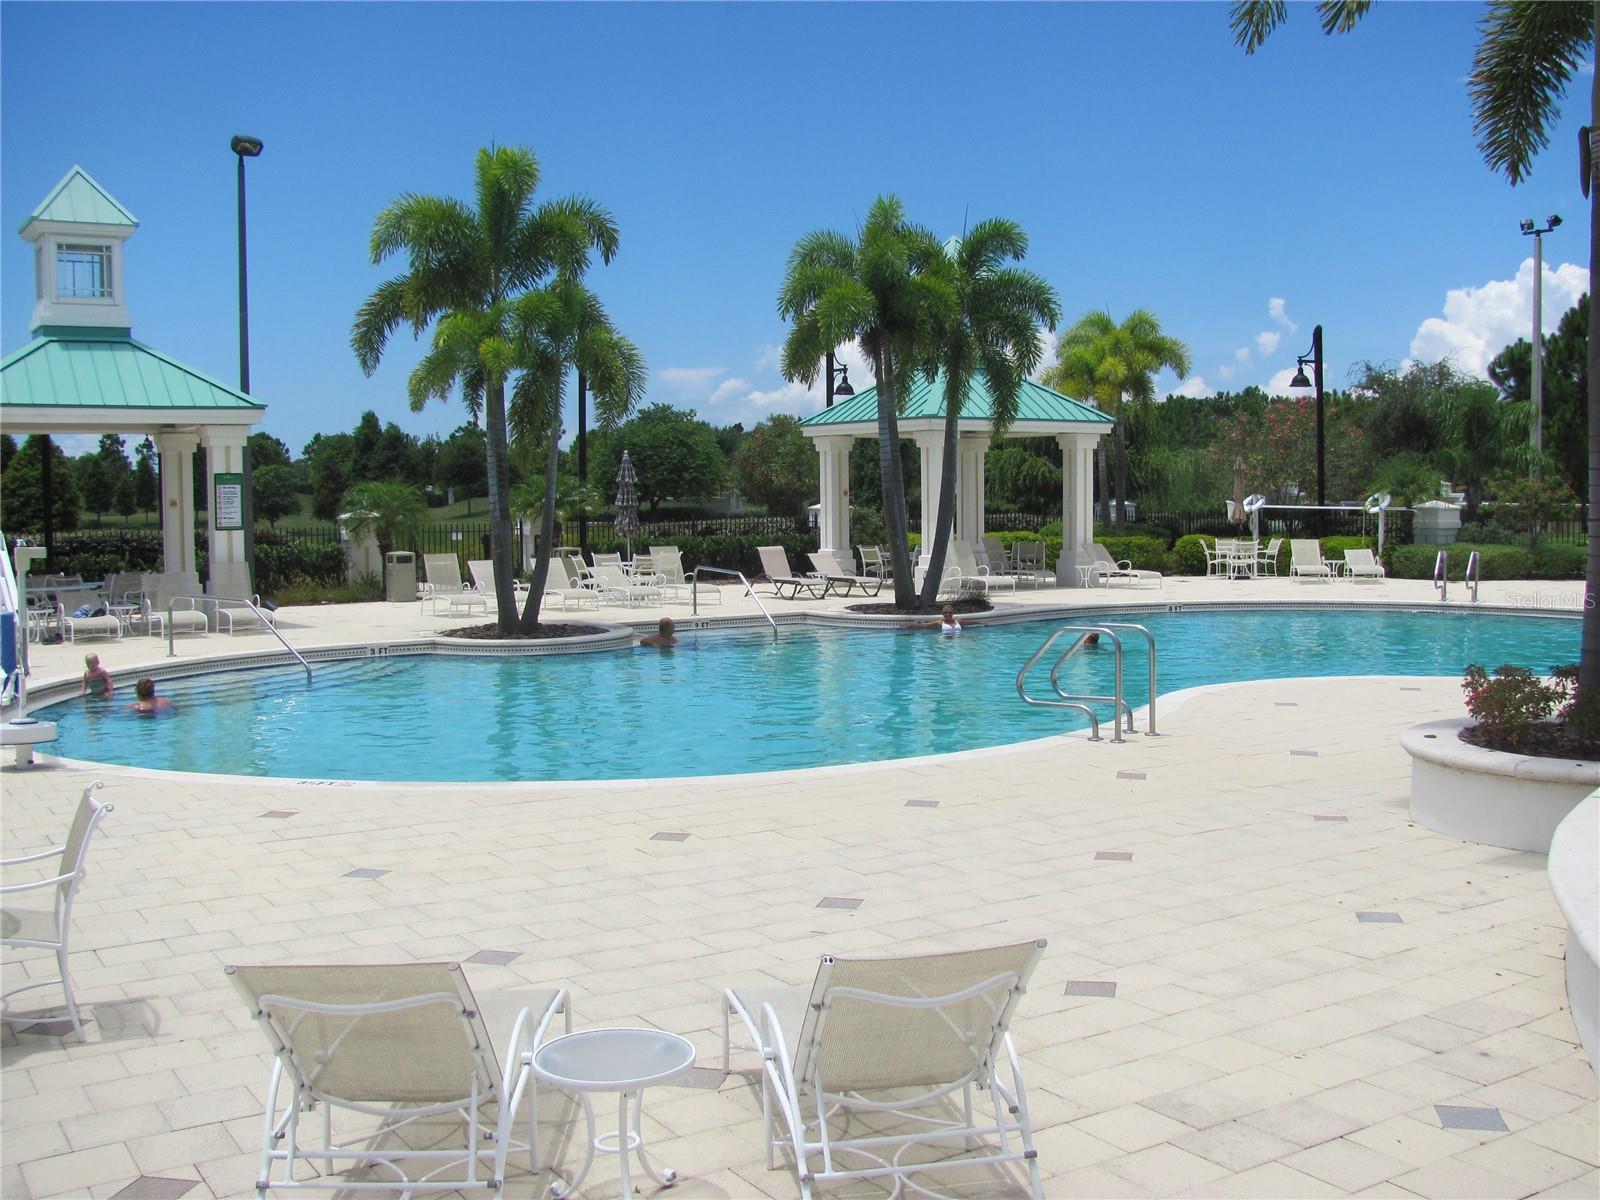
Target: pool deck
[1261, 1037]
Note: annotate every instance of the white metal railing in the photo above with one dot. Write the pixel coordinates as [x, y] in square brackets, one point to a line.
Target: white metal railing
[749, 590]
[1122, 712]
[1441, 574]
[271, 626]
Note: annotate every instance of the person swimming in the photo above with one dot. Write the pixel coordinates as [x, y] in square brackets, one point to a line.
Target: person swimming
[96, 679]
[148, 703]
[663, 638]
[948, 622]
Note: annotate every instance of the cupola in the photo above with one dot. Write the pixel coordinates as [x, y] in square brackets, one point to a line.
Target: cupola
[77, 233]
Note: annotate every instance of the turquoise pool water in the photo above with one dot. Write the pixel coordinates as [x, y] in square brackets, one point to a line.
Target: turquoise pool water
[735, 702]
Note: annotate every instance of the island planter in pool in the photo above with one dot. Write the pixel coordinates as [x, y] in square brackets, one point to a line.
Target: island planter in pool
[1491, 796]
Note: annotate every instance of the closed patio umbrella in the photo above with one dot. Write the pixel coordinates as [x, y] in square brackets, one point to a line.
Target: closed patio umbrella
[1236, 511]
[627, 520]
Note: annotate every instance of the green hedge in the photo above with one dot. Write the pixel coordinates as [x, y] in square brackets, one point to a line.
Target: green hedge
[1145, 552]
[1494, 561]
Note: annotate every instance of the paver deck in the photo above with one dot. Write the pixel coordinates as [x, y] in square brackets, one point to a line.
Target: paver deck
[1213, 1016]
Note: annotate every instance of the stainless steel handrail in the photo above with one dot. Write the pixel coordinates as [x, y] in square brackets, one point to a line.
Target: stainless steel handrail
[1471, 578]
[1150, 639]
[1064, 702]
[1441, 574]
[1121, 709]
[250, 604]
[694, 592]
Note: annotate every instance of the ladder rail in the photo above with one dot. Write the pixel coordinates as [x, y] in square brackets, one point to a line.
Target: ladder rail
[749, 590]
[1441, 574]
[1121, 708]
[1022, 690]
[1473, 570]
[251, 605]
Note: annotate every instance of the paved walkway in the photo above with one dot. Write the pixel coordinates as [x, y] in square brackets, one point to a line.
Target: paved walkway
[1262, 979]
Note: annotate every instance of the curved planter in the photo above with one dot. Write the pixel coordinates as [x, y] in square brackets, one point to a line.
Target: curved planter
[1574, 866]
[1478, 795]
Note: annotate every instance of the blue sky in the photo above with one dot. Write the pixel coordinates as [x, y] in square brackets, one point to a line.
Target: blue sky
[1152, 164]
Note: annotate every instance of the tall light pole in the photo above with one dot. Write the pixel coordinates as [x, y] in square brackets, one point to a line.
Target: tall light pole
[1536, 391]
[245, 147]
[1299, 384]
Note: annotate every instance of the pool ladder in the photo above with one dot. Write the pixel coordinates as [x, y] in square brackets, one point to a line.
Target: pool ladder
[749, 590]
[1441, 574]
[1121, 711]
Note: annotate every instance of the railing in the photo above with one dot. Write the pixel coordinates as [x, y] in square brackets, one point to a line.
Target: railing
[1121, 710]
[1441, 574]
[694, 593]
[1473, 571]
[250, 604]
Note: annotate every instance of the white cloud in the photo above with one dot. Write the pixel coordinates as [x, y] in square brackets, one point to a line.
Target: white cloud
[689, 377]
[1048, 340]
[769, 358]
[1228, 372]
[1278, 385]
[1480, 321]
[1242, 356]
[1195, 386]
[1267, 342]
[1275, 310]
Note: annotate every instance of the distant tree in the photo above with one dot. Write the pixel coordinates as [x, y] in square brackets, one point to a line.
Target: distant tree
[22, 489]
[267, 451]
[113, 455]
[463, 463]
[777, 466]
[364, 443]
[674, 454]
[8, 448]
[328, 460]
[1407, 408]
[273, 493]
[392, 511]
[1020, 474]
[146, 482]
[126, 498]
[1566, 391]
[729, 437]
[96, 486]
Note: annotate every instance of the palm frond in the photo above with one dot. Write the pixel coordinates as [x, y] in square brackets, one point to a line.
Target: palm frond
[376, 320]
[1527, 54]
[1341, 16]
[1252, 21]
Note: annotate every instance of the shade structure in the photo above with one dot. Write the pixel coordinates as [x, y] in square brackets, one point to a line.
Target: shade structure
[627, 520]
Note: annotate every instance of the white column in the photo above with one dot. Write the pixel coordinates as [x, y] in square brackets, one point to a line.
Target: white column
[229, 573]
[1077, 505]
[971, 447]
[833, 467]
[930, 458]
[178, 576]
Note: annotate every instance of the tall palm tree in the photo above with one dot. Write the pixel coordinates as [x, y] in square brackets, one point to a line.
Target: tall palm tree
[995, 335]
[1528, 52]
[556, 329]
[466, 267]
[891, 290]
[1115, 364]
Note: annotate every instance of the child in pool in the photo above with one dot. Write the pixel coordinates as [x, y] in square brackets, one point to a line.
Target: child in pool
[96, 679]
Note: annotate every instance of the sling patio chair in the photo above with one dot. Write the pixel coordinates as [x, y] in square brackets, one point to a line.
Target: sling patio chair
[873, 561]
[1305, 560]
[1361, 564]
[1267, 563]
[614, 585]
[670, 577]
[873, 1072]
[1027, 560]
[841, 581]
[482, 572]
[51, 929]
[775, 562]
[405, 1044]
[1108, 570]
[444, 585]
[978, 578]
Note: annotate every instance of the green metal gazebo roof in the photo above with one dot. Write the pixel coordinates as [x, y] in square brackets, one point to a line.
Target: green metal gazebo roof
[78, 199]
[106, 368]
[925, 399]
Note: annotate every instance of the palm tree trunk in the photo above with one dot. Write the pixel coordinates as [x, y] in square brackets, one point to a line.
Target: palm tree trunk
[1589, 655]
[547, 537]
[894, 480]
[1122, 470]
[1104, 471]
[946, 517]
[494, 428]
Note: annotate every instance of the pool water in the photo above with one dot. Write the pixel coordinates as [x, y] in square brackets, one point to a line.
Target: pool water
[730, 702]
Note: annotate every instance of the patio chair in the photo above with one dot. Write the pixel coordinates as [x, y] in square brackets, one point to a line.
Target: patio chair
[994, 553]
[405, 1044]
[670, 577]
[443, 584]
[975, 577]
[482, 572]
[235, 618]
[902, 1043]
[1109, 570]
[827, 566]
[1219, 557]
[1267, 563]
[1028, 562]
[873, 561]
[775, 562]
[1305, 560]
[77, 628]
[186, 617]
[51, 929]
[614, 585]
[1363, 565]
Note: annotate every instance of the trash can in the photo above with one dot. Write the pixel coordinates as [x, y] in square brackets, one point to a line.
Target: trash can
[400, 576]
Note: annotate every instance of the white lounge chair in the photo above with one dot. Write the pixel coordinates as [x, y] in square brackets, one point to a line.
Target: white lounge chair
[444, 586]
[614, 585]
[186, 617]
[51, 929]
[873, 561]
[1109, 570]
[841, 581]
[775, 562]
[976, 577]
[1305, 560]
[670, 577]
[1027, 562]
[236, 618]
[482, 572]
[1363, 565]
[78, 628]
[403, 1043]
[904, 1043]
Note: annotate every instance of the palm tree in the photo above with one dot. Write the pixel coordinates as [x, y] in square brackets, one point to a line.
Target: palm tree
[1528, 51]
[1112, 363]
[995, 335]
[891, 290]
[555, 329]
[466, 267]
[393, 512]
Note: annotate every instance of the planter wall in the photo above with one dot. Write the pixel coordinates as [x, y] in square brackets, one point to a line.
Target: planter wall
[1574, 869]
[1508, 800]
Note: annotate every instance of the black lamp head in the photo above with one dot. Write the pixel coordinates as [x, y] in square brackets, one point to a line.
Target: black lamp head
[1527, 225]
[1300, 380]
[245, 146]
[1553, 221]
[843, 388]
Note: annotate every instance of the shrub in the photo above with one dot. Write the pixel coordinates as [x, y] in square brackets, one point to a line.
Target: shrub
[866, 528]
[1494, 562]
[1130, 530]
[1146, 553]
[1510, 705]
[1558, 560]
[283, 562]
[1189, 552]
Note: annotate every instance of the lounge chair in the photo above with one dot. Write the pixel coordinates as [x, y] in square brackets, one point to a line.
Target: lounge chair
[236, 618]
[569, 582]
[186, 617]
[51, 929]
[873, 561]
[901, 1040]
[841, 581]
[406, 1044]
[995, 556]
[1362, 564]
[1028, 563]
[1305, 560]
[77, 628]
[482, 572]
[977, 578]
[775, 562]
[1108, 570]
[673, 582]
[614, 585]
[444, 585]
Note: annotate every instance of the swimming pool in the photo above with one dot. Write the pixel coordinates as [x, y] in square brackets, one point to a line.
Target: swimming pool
[730, 702]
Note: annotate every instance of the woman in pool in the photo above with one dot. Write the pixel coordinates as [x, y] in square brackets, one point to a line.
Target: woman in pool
[947, 622]
[148, 703]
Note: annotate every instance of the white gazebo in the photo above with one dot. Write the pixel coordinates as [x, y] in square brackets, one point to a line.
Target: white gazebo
[84, 374]
[1041, 412]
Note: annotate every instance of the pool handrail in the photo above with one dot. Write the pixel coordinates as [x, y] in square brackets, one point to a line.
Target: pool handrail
[1474, 569]
[749, 590]
[1441, 574]
[1150, 639]
[251, 605]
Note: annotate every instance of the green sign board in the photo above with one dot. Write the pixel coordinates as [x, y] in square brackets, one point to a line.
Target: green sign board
[227, 505]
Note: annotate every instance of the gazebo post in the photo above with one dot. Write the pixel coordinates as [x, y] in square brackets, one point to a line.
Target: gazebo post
[1077, 505]
[228, 571]
[833, 479]
[970, 451]
[930, 458]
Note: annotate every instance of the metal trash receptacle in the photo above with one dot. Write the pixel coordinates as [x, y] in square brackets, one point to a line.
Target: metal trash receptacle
[400, 577]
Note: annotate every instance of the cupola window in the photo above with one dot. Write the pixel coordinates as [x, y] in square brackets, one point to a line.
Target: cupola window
[83, 272]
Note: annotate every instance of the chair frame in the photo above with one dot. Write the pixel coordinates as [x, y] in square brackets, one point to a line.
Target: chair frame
[1319, 569]
[1364, 567]
[486, 1144]
[1105, 568]
[814, 585]
[788, 1082]
[840, 581]
[67, 880]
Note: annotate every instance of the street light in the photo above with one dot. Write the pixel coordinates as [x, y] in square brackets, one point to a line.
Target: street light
[1300, 385]
[842, 387]
[245, 147]
[1536, 392]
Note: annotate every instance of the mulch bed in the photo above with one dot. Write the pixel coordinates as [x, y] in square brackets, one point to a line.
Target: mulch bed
[491, 633]
[1545, 741]
[923, 610]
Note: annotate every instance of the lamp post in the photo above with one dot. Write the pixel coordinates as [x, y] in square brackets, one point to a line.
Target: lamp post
[583, 463]
[1299, 384]
[245, 146]
[1536, 391]
[842, 373]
